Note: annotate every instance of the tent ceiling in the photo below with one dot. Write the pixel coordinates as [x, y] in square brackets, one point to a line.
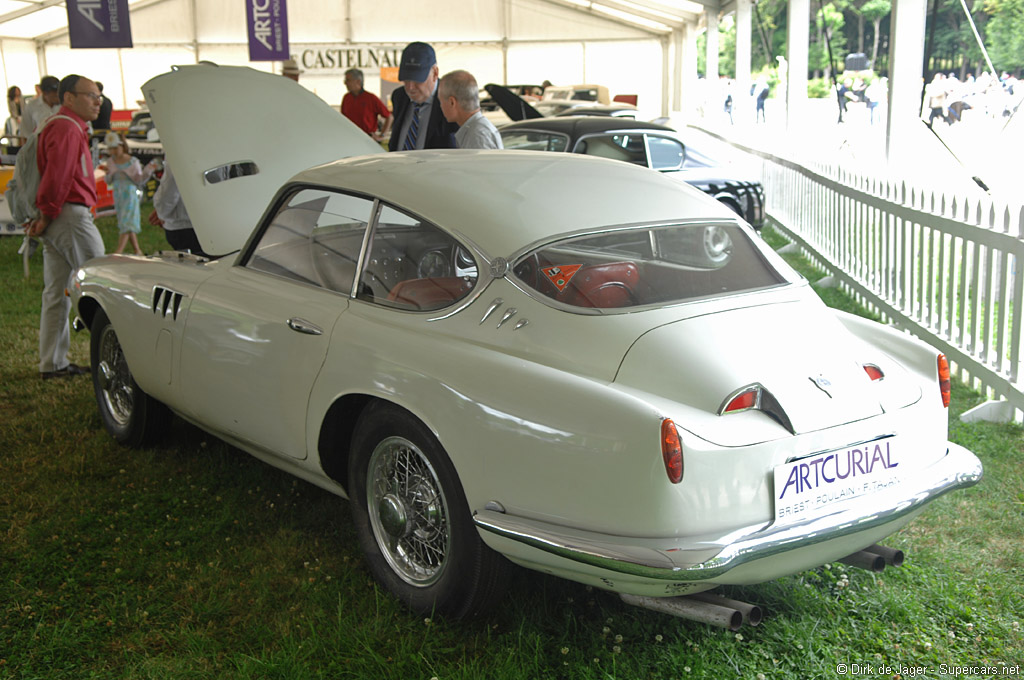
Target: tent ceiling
[45, 20]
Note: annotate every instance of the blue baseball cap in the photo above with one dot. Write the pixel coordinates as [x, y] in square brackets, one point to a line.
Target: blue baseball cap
[417, 60]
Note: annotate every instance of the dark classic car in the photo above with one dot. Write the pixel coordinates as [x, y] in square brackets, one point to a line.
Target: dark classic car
[654, 146]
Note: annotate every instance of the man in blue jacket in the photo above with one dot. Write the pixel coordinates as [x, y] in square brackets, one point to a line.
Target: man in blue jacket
[419, 121]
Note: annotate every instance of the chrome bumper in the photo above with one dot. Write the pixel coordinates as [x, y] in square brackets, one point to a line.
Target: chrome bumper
[702, 558]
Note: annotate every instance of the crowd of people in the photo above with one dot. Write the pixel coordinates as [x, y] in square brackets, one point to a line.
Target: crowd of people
[947, 98]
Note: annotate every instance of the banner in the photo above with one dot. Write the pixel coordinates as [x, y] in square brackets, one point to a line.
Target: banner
[99, 23]
[267, 22]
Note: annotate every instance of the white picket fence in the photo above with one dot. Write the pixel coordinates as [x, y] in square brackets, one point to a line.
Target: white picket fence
[947, 270]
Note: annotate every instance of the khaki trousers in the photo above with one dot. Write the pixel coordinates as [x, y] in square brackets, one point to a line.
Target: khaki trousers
[68, 242]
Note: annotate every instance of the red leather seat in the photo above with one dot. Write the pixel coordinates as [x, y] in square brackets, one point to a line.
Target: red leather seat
[430, 293]
[604, 286]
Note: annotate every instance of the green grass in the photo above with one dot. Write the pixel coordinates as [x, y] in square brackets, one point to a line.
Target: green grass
[194, 560]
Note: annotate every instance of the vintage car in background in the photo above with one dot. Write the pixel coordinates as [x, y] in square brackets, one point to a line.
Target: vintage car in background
[613, 110]
[499, 357]
[143, 138]
[646, 144]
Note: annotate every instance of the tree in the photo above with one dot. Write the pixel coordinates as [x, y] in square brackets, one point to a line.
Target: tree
[829, 37]
[1004, 34]
[874, 11]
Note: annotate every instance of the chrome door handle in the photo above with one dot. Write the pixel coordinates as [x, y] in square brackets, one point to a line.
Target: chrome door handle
[303, 326]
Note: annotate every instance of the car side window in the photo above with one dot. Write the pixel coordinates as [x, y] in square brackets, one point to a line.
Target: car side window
[532, 140]
[622, 147]
[315, 238]
[666, 154]
[411, 264]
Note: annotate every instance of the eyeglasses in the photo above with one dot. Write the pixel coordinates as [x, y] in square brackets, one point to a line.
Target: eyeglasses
[91, 95]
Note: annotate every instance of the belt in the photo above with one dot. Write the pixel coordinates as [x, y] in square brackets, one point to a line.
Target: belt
[77, 203]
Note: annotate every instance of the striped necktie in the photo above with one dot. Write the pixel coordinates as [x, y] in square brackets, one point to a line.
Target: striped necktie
[414, 128]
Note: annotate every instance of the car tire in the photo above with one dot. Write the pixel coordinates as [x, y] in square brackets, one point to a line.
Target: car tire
[131, 416]
[413, 521]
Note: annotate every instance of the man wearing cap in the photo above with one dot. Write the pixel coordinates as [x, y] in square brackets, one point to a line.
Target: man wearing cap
[419, 121]
[67, 189]
[41, 107]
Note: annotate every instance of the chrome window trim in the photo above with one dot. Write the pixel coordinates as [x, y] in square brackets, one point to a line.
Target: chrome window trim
[530, 292]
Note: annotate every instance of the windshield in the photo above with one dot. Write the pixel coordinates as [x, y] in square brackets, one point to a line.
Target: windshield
[648, 266]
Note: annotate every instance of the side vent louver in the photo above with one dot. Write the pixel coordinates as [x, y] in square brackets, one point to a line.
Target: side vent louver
[166, 301]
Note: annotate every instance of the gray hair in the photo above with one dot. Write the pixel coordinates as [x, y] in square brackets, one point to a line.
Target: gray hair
[461, 85]
[355, 73]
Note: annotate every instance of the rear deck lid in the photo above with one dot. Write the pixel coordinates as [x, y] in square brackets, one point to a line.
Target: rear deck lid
[798, 352]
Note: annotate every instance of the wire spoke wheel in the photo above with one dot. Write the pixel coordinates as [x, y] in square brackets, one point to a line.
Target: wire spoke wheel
[115, 380]
[412, 519]
[130, 415]
[408, 511]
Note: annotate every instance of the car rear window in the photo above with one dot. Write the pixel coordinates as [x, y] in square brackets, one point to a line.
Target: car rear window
[638, 267]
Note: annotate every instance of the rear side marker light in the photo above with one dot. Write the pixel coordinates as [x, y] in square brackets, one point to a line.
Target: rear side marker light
[671, 451]
[944, 385]
[874, 372]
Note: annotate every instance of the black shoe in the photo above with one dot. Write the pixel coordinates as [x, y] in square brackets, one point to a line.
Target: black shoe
[69, 371]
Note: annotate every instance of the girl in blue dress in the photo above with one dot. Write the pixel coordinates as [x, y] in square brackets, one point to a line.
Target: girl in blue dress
[124, 176]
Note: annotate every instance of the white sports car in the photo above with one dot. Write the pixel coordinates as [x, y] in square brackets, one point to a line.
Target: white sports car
[573, 363]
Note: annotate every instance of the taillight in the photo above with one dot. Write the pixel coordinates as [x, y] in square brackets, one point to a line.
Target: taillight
[671, 451]
[742, 400]
[944, 384]
[874, 372]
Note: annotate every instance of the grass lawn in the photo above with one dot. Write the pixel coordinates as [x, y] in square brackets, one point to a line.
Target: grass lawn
[194, 560]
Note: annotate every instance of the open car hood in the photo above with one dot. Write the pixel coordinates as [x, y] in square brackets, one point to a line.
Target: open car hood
[514, 106]
[234, 135]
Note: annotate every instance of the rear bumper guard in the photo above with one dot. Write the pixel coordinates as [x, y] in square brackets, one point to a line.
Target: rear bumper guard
[703, 558]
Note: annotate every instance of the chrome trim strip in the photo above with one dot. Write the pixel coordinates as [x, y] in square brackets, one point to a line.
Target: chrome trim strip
[509, 313]
[664, 559]
[497, 302]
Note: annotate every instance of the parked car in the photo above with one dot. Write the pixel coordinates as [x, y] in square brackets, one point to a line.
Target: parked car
[597, 94]
[613, 110]
[497, 357]
[647, 144]
[143, 139]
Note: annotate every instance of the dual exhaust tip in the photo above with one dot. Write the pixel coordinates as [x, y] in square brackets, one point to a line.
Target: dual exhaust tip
[723, 612]
[875, 558]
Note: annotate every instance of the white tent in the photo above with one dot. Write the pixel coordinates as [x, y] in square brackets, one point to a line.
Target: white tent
[624, 45]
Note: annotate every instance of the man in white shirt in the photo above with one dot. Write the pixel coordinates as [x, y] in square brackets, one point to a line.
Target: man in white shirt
[41, 107]
[460, 102]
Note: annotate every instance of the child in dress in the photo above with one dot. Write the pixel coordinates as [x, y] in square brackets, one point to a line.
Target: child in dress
[124, 174]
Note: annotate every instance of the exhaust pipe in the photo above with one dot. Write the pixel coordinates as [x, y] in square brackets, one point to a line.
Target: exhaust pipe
[865, 560]
[892, 556]
[752, 614]
[703, 607]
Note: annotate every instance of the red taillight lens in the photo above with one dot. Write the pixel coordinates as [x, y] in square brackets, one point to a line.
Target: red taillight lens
[671, 451]
[742, 401]
[945, 387]
[874, 372]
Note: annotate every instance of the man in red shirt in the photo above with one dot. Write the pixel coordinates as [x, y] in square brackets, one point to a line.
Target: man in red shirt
[362, 107]
[67, 189]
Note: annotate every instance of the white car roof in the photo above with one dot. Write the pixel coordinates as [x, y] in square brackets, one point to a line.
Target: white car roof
[504, 201]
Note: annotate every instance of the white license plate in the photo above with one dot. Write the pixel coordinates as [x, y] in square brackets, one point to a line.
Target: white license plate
[828, 482]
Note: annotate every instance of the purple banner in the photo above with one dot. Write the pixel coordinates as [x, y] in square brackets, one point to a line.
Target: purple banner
[267, 21]
[99, 23]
